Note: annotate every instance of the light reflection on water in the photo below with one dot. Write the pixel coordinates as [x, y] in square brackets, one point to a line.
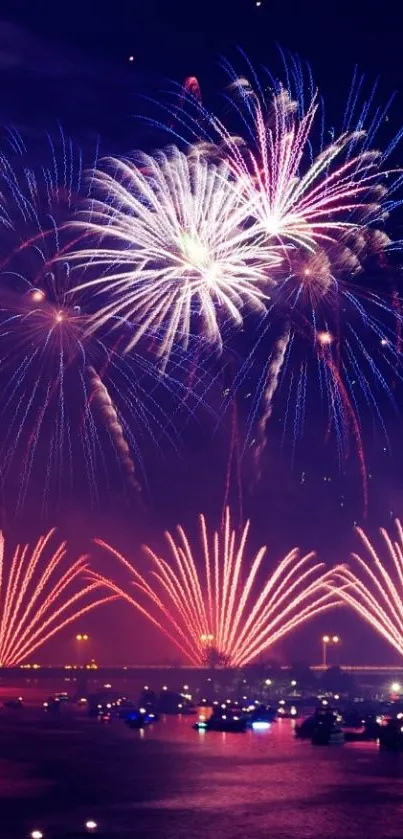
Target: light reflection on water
[173, 782]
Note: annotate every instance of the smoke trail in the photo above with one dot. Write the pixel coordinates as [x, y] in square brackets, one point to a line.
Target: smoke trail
[277, 361]
[99, 393]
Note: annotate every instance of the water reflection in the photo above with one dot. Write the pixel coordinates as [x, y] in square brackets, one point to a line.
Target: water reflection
[170, 782]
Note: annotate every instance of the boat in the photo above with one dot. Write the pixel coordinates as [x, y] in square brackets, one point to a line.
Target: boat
[370, 729]
[222, 720]
[15, 704]
[140, 718]
[391, 736]
[327, 731]
[305, 729]
[261, 718]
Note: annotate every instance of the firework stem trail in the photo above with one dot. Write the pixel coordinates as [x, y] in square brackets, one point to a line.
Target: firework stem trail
[272, 381]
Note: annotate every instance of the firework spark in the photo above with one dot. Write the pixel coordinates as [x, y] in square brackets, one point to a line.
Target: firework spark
[173, 252]
[223, 610]
[40, 594]
[375, 590]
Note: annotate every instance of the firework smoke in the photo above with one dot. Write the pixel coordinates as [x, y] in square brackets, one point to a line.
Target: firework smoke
[272, 381]
[100, 395]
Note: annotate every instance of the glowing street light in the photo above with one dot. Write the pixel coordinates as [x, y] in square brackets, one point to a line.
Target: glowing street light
[81, 639]
[38, 296]
[326, 640]
[207, 638]
[395, 687]
[267, 682]
[36, 834]
[90, 825]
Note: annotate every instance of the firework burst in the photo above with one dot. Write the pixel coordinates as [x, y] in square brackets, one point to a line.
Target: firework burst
[173, 253]
[40, 594]
[76, 411]
[224, 612]
[375, 588]
[297, 200]
[324, 211]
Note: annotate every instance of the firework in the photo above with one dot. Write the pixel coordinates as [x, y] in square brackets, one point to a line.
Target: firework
[224, 613]
[74, 409]
[375, 588]
[40, 594]
[322, 209]
[173, 251]
[297, 200]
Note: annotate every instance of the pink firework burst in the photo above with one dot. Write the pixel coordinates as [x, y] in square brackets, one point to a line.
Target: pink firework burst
[40, 594]
[216, 607]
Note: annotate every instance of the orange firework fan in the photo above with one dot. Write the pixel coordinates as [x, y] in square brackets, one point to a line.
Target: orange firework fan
[215, 610]
[375, 590]
[38, 598]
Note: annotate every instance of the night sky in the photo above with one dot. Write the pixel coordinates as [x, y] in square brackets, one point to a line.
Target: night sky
[72, 64]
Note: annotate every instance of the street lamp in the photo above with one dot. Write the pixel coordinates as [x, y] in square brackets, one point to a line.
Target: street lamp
[395, 687]
[326, 640]
[81, 639]
[207, 638]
